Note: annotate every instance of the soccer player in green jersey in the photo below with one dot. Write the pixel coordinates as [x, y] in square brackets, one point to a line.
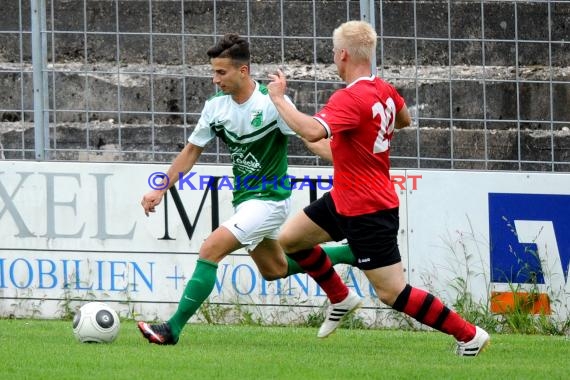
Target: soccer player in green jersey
[244, 118]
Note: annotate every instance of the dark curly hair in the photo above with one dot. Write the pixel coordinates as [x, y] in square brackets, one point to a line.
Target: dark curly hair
[231, 46]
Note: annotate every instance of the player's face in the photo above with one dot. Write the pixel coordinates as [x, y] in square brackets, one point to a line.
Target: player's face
[227, 76]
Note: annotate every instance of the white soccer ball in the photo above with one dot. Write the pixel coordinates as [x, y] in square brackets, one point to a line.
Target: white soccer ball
[96, 322]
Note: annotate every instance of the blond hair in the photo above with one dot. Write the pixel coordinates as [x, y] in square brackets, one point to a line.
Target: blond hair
[358, 38]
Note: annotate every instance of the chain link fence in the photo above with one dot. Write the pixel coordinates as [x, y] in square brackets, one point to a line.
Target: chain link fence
[488, 82]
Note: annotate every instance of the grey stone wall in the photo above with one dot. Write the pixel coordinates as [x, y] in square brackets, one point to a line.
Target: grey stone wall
[486, 92]
[201, 20]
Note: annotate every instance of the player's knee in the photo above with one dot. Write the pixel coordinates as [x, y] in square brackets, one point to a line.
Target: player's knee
[288, 242]
[273, 274]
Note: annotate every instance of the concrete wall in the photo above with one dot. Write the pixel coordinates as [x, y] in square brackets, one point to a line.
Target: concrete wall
[165, 76]
[199, 21]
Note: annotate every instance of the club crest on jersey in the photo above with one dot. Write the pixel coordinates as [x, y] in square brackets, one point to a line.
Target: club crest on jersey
[257, 118]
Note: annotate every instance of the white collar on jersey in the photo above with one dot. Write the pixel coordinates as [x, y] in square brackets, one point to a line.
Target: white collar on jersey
[370, 78]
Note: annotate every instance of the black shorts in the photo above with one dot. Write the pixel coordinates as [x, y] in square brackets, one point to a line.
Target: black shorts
[373, 237]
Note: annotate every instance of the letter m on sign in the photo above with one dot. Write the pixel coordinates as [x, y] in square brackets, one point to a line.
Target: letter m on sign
[529, 238]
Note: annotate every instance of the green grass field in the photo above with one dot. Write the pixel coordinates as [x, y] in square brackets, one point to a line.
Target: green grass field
[39, 349]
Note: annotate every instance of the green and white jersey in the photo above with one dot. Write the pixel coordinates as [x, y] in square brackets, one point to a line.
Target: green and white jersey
[257, 139]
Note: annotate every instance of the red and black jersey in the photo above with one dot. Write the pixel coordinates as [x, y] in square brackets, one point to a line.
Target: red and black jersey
[360, 120]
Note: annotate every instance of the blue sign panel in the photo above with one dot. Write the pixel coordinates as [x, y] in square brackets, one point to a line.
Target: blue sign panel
[513, 261]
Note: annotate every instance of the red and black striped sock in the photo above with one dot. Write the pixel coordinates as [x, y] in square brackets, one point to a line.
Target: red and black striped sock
[318, 265]
[429, 310]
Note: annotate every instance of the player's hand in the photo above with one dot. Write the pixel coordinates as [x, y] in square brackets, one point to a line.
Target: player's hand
[151, 200]
[277, 86]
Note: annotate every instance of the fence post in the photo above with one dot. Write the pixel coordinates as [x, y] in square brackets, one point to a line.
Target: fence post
[40, 80]
[367, 14]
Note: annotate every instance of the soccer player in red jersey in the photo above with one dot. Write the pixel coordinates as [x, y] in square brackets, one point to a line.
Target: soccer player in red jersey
[362, 205]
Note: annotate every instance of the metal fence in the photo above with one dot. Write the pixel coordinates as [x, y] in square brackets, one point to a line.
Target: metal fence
[488, 82]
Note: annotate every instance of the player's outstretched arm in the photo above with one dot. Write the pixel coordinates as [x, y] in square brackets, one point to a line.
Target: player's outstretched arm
[321, 148]
[305, 126]
[181, 164]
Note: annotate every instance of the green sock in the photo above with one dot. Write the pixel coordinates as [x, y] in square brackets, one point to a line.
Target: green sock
[338, 254]
[197, 290]
[293, 267]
